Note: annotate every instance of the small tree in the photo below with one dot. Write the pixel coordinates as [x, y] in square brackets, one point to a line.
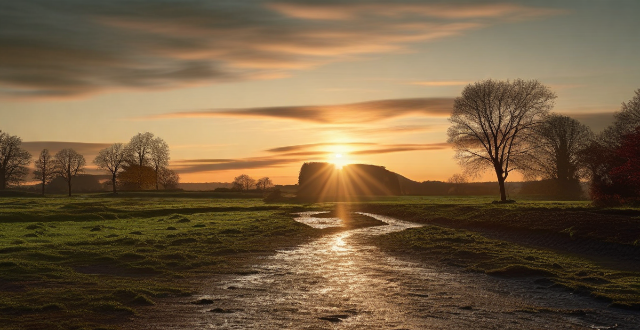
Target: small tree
[159, 157]
[134, 177]
[13, 160]
[112, 159]
[169, 179]
[243, 182]
[68, 164]
[490, 123]
[264, 183]
[45, 168]
[140, 146]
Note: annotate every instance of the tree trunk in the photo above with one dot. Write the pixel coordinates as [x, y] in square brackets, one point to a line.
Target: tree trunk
[43, 185]
[3, 182]
[503, 192]
[69, 182]
[113, 180]
[157, 178]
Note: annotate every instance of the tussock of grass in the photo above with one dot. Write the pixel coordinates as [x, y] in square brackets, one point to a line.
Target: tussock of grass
[101, 258]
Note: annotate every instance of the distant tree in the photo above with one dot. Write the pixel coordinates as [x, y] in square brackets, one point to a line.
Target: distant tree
[243, 182]
[490, 123]
[169, 179]
[68, 164]
[134, 177]
[458, 179]
[112, 159]
[45, 168]
[140, 146]
[159, 157]
[626, 122]
[264, 183]
[558, 143]
[626, 176]
[13, 160]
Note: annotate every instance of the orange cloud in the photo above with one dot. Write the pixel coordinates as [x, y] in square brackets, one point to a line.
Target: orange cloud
[150, 45]
[370, 111]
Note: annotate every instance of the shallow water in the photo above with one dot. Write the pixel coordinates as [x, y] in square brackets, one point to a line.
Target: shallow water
[341, 282]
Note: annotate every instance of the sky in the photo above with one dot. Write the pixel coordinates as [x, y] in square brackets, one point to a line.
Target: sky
[259, 87]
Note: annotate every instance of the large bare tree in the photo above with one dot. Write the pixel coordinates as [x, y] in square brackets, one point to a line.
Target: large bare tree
[559, 141]
[13, 160]
[159, 157]
[68, 164]
[45, 168]
[112, 159]
[490, 123]
[627, 120]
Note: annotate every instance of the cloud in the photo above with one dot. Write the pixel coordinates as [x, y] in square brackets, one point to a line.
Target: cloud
[440, 83]
[296, 154]
[74, 48]
[332, 114]
[597, 121]
[88, 150]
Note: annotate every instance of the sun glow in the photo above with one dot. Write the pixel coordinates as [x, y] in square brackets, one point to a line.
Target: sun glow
[339, 161]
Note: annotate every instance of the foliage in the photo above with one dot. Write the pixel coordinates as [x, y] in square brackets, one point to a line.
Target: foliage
[264, 183]
[13, 160]
[169, 179]
[491, 121]
[243, 182]
[134, 177]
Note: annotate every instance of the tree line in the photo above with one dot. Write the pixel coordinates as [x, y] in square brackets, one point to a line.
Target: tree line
[140, 164]
[508, 126]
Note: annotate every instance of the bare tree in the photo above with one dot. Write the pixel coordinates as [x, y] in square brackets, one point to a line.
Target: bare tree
[68, 164]
[159, 157]
[243, 182]
[169, 179]
[112, 159]
[558, 142]
[491, 120]
[264, 183]
[627, 120]
[45, 168]
[140, 146]
[13, 160]
[458, 179]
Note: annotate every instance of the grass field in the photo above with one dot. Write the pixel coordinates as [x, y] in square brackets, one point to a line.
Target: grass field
[90, 261]
[87, 262]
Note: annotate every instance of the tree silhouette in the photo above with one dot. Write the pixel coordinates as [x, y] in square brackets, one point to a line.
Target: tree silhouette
[140, 146]
[169, 179]
[264, 183]
[490, 123]
[159, 157]
[45, 168]
[68, 164]
[112, 159]
[13, 160]
[627, 119]
[243, 182]
[558, 143]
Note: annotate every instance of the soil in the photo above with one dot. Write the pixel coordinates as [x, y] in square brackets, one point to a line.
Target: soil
[339, 281]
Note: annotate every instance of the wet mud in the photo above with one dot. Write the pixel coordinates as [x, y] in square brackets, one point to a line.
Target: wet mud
[341, 282]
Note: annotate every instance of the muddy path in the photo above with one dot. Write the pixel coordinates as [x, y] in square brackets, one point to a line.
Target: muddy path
[341, 282]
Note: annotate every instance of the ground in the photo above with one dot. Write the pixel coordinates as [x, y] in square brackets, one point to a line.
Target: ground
[120, 262]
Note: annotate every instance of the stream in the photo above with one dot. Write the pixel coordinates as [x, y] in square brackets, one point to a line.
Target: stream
[341, 282]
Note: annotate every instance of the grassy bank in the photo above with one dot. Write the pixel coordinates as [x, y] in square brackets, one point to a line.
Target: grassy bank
[89, 262]
[526, 239]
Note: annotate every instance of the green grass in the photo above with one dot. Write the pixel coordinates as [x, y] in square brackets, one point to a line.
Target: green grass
[86, 262]
[473, 251]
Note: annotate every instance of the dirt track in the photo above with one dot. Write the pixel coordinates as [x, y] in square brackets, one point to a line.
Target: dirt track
[340, 282]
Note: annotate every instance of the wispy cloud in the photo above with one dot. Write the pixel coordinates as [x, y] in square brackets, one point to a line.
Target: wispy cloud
[88, 150]
[296, 155]
[71, 48]
[440, 83]
[332, 114]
